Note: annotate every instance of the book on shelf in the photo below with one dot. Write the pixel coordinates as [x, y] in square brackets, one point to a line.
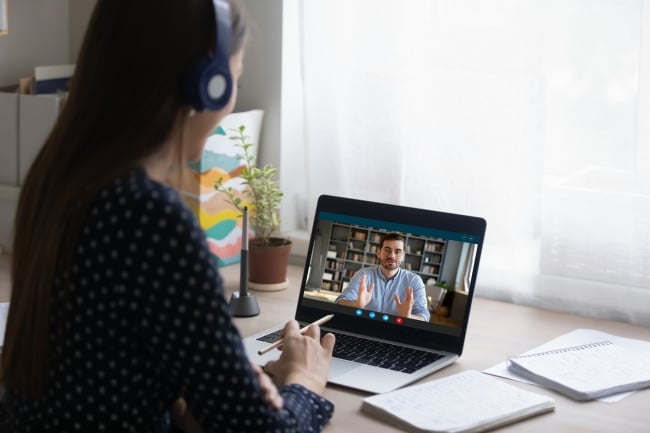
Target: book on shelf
[466, 402]
[587, 371]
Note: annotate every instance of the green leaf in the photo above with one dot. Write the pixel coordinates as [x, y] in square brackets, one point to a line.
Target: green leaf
[263, 192]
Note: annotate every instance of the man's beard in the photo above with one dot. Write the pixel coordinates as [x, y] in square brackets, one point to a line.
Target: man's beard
[390, 265]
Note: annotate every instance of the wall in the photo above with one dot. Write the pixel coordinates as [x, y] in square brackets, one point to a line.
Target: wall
[62, 24]
[293, 150]
[261, 83]
[38, 35]
[271, 81]
[79, 14]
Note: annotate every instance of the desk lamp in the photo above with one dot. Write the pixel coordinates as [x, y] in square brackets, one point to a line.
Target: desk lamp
[243, 304]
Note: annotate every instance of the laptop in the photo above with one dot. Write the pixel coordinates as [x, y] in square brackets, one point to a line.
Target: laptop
[379, 351]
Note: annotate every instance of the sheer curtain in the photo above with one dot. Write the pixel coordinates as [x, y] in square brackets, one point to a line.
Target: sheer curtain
[531, 114]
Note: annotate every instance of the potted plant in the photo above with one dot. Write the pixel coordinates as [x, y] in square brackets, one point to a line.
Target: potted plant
[268, 254]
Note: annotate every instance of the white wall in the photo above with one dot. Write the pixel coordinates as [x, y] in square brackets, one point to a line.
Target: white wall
[261, 82]
[61, 25]
[38, 35]
[271, 82]
[295, 213]
[79, 13]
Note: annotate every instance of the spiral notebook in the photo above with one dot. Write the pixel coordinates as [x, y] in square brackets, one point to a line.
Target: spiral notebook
[466, 402]
[587, 371]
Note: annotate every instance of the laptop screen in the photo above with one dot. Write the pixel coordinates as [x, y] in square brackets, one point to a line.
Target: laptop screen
[436, 253]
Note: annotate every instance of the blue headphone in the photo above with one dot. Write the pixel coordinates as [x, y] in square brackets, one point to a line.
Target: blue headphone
[208, 83]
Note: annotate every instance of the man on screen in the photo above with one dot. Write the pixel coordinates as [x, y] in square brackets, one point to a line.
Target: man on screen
[387, 288]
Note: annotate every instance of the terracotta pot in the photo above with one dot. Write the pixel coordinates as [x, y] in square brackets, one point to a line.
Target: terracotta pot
[268, 264]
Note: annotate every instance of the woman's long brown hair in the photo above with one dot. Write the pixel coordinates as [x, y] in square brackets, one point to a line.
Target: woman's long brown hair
[125, 100]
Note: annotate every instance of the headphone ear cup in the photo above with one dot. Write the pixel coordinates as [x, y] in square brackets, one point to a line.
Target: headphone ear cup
[217, 84]
[208, 85]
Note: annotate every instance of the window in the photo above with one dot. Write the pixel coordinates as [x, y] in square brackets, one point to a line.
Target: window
[533, 115]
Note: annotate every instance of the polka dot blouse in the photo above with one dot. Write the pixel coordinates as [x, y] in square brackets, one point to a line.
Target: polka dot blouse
[144, 320]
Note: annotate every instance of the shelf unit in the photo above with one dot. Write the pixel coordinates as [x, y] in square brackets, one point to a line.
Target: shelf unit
[354, 247]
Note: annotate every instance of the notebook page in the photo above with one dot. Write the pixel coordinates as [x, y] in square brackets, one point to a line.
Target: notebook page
[442, 405]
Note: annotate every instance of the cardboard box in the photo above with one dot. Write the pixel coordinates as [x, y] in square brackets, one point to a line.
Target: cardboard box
[36, 117]
[25, 122]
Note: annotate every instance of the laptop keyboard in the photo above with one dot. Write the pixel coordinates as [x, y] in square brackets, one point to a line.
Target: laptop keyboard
[375, 353]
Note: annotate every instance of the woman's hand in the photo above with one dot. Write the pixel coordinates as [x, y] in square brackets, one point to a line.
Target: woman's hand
[270, 391]
[183, 419]
[305, 358]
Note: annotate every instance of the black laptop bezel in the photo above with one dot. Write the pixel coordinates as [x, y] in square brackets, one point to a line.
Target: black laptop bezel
[306, 310]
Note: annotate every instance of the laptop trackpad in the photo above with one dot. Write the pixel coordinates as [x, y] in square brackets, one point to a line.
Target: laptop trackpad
[340, 367]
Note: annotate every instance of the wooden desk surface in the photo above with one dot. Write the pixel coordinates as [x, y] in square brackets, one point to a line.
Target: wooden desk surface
[496, 330]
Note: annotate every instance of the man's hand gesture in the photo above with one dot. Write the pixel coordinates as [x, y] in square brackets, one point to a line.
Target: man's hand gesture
[404, 308]
[364, 295]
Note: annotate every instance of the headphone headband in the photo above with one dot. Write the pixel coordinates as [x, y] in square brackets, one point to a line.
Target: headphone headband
[208, 84]
[223, 32]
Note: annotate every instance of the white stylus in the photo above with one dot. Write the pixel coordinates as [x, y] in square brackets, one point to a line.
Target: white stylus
[302, 331]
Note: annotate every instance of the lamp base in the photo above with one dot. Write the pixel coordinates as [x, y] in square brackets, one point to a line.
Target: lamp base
[244, 306]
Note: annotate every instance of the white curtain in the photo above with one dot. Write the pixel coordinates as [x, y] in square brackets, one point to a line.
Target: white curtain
[531, 114]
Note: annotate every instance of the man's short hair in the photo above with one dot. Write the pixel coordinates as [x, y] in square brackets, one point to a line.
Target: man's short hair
[391, 237]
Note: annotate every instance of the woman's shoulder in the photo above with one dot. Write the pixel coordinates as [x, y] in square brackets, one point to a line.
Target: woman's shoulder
[136, 186]
[136, 191]
[133, 199]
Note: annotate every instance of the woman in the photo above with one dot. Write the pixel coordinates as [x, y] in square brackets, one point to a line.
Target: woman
[117, 310]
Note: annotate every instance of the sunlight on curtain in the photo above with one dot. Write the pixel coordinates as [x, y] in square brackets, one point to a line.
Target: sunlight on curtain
[529, 114]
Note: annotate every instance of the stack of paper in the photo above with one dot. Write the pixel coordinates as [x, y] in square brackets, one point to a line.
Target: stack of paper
[584, 364]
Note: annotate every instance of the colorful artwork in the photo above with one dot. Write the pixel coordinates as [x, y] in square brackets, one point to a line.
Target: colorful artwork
[220, 220]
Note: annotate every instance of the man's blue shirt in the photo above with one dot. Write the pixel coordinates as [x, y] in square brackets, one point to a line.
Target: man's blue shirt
[385, 289]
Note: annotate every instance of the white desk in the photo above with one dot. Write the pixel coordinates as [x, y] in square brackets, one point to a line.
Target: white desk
[496, 330]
